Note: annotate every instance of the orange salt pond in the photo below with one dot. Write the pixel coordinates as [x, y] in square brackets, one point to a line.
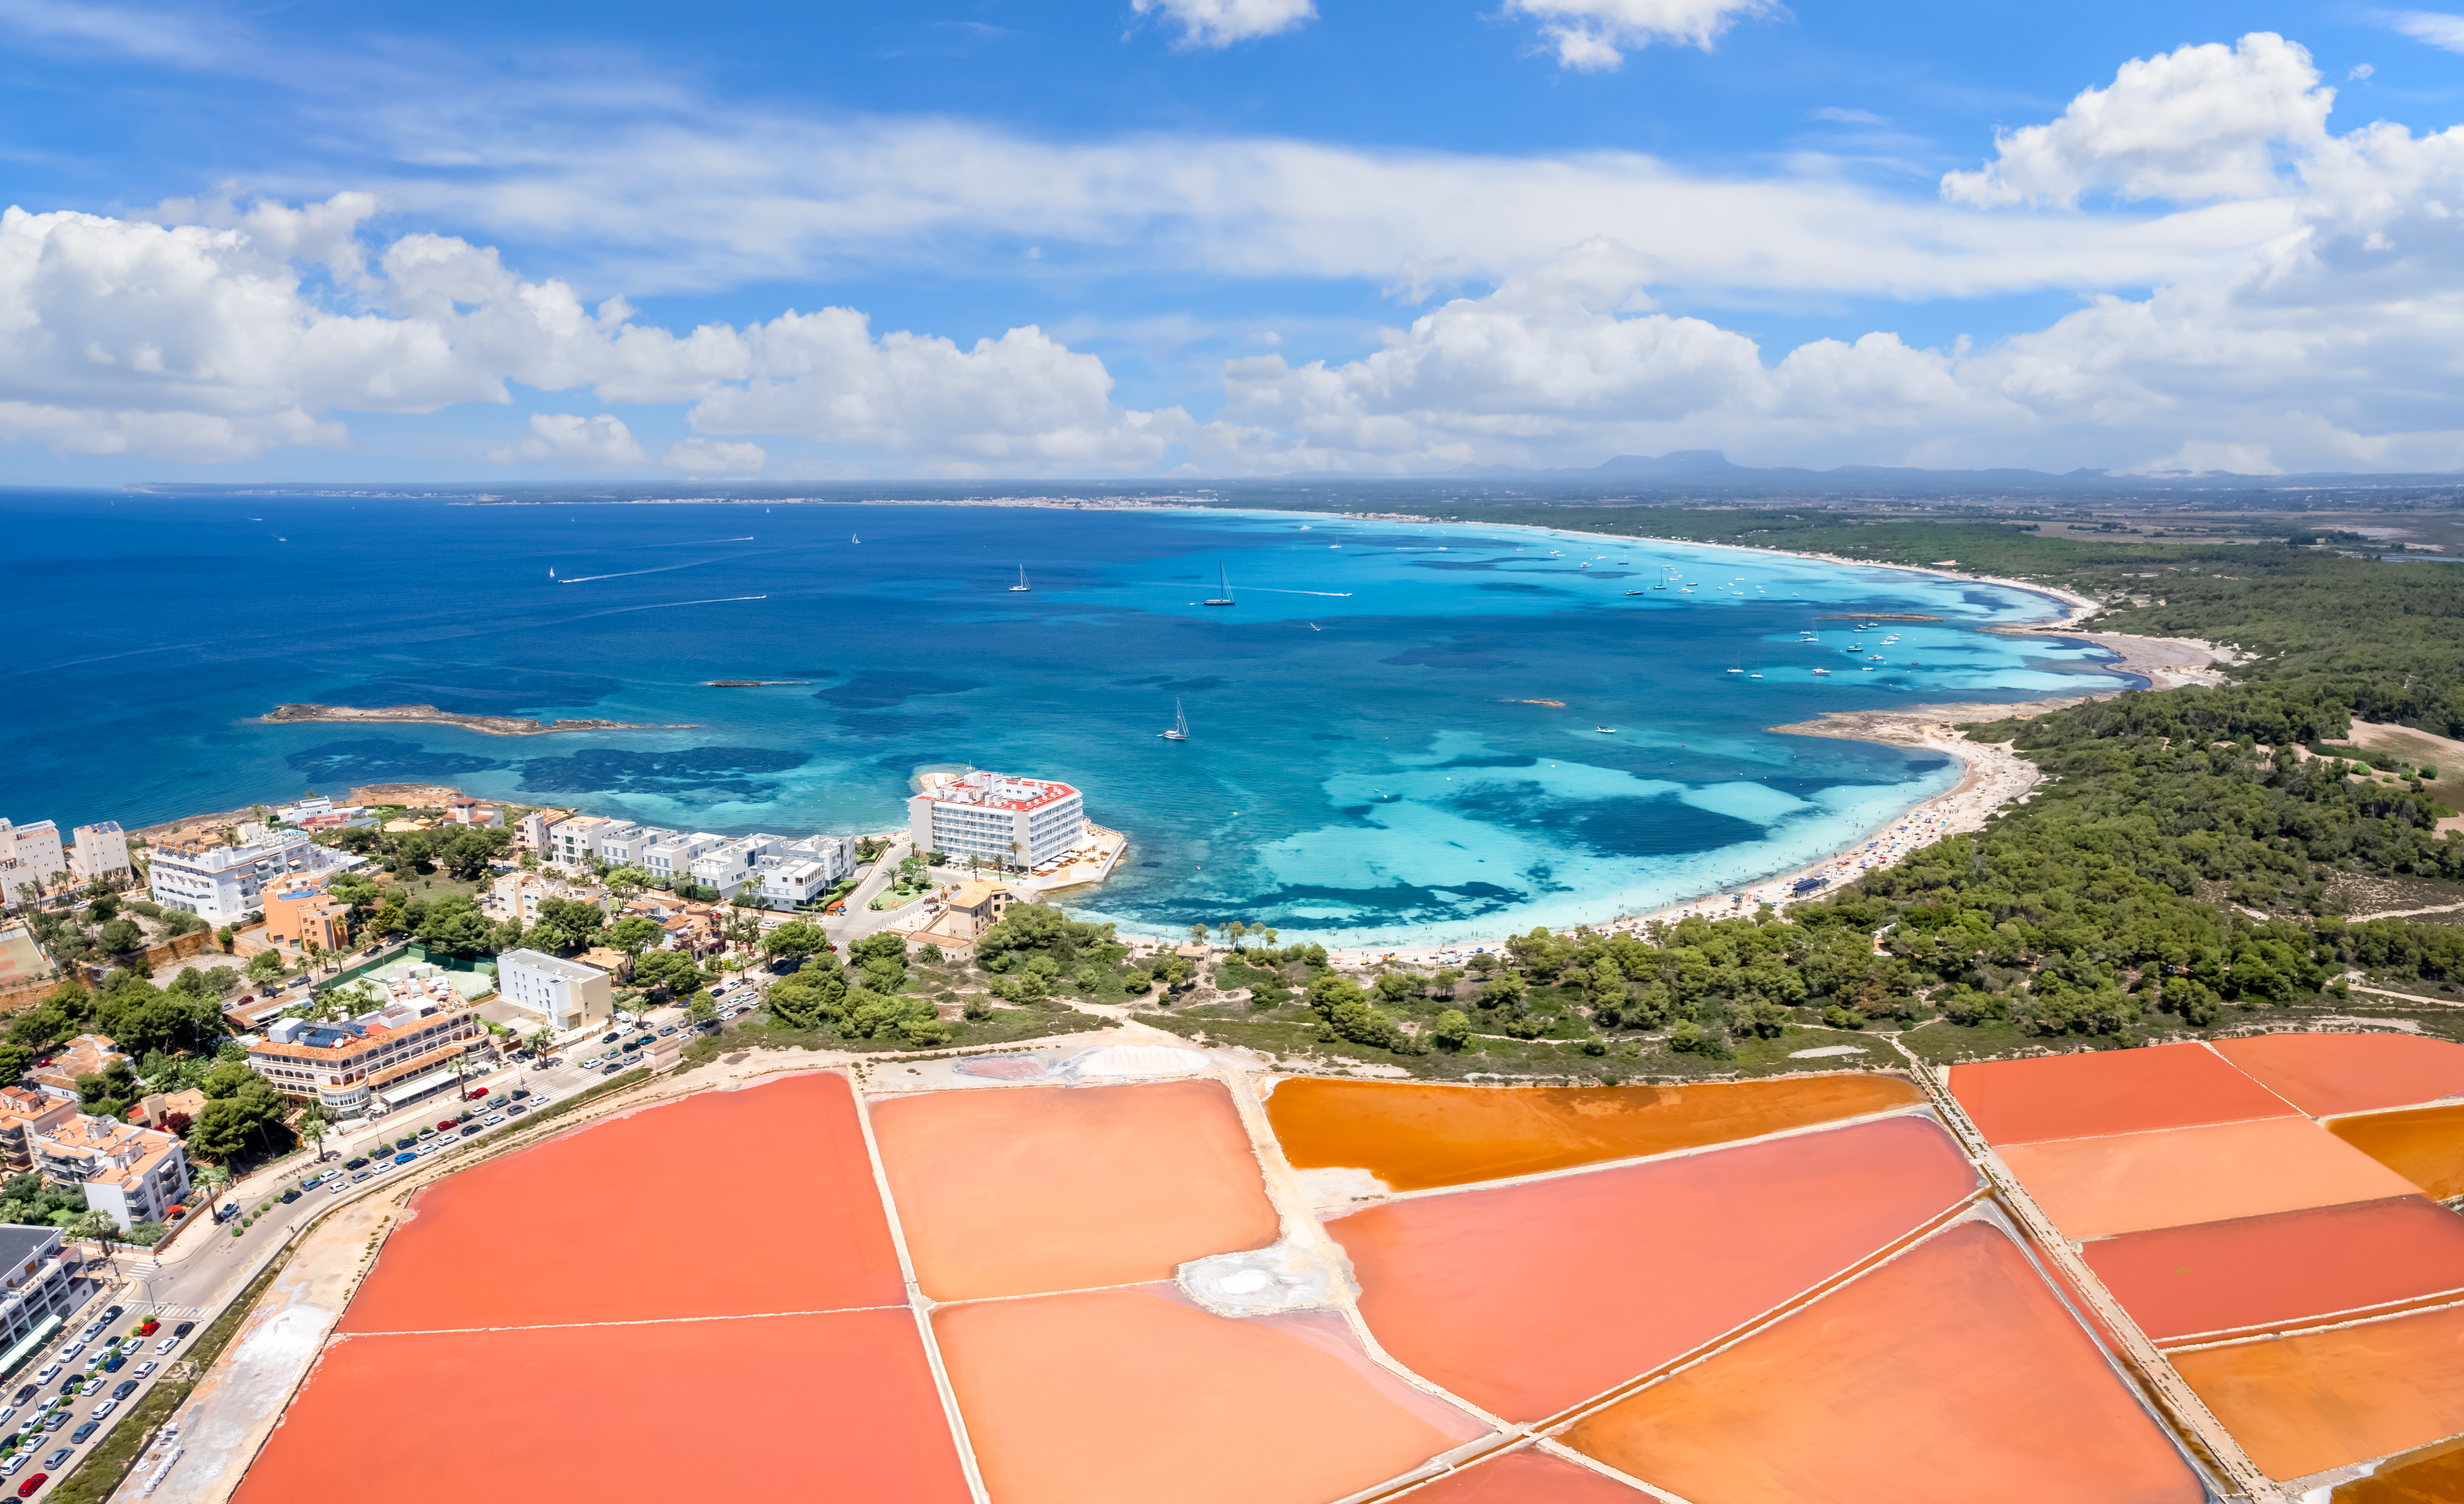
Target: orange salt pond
[2324, 1074]
[2097, 1187]
[1949, 1376]
[2107, 1091]
[1527, 1299]
[565, 1232]
[2259, 1272]
[1009, 1191]
[570, 1413]
[1133, 1396]
[2318, 1400]
[2432, 1475]
[2426, 1145]
[1527, 1476]
[1415, 1137]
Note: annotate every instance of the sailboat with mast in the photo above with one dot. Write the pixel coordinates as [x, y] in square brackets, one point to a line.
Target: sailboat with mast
[1179, 731]
[1021, 587]
[1224, 589]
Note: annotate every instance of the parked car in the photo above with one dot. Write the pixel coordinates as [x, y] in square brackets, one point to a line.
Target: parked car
[476, 1092]
[25, 1393]
[114, 1364]
[665, 1032]
[56, 1420]
[84, 1431]
[611, 1070]
[63, 1454]
[492, 1118]
[519, 1093]
[92, 1387]
[26, 1490]
[609, 1039]
[184, 1329]
[146, 1370]
[447, 1125]
[14, 1461]
[515, 1110]
[110, 1314]
[169, 1343]
[361, 1175]
[405, 1157]
[104, 1411]
[123, 1388]
[149, 1326]
[467, 1129]
[430, 1132]
[45, 1374]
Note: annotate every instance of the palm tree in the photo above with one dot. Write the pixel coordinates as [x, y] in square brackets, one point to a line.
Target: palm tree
[314, 1124]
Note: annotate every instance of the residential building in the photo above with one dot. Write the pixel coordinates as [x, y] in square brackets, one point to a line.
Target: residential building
[23, 1114]
[835, 854]
[298, 910]
[625, 847]
[87, 1055]
[169, 1111]
[973, 908]
[671, 859]
[567, 993]
[293, 814]
[346, 817]
[34, 1288]
[610, 960]
[795, 883]
[732, 866]
[475, 815]
[222, 884]
[135, 1174]
[1004, 819]
[530, 833]
[377, 1061]
[100, 854]
[30, 854]
[582, 840]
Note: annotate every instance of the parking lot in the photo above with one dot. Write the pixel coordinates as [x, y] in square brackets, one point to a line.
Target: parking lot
[102, 1367]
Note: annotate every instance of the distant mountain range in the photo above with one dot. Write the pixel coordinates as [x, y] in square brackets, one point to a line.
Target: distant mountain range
[1710, 468]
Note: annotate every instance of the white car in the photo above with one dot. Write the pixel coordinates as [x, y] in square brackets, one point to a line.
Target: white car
[16, 1460]
[92, 1387]
[104, 1411]
[144, 1370]
[51, 1370]
[492, 1118]
[166, 1344]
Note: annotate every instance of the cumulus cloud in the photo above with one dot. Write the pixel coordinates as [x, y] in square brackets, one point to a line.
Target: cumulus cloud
[573, 441]
[211, 342]
[1591, 34]
[2210, 122]
[1219, 23]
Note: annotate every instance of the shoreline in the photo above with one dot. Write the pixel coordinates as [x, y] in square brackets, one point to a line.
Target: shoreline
[430, 716]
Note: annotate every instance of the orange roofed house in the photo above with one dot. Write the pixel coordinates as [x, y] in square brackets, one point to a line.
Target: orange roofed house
[23, 1114]
[87, 1055]
[377, 1061]
[135, 1174]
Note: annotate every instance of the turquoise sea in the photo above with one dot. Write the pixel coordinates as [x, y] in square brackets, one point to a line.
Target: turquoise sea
[1375, 755]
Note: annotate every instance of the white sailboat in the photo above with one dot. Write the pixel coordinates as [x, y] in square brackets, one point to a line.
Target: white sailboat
[1179, 731]
[1223, 588]
[1021, 587]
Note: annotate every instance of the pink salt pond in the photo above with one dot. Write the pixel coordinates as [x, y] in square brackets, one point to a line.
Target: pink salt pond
[1527, 1299]
[1023, 1191]
[1135, 1395]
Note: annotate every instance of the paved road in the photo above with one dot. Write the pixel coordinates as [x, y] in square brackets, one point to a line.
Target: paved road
[860, 918]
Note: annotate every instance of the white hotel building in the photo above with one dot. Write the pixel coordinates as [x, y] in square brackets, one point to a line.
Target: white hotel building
[1012, 821]
[222, 884]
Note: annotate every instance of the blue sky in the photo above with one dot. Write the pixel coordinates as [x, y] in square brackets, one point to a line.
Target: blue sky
[1211, 237]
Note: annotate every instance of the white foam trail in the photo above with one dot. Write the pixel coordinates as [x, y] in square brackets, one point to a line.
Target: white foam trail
[583, 579]
[716, 600]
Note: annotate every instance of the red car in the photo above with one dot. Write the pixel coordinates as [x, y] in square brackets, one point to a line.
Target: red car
[447, 1125]
[476, 1092]
[149, 1328]
[26, 1490]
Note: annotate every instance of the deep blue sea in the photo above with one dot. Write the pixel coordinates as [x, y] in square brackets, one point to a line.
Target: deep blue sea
[1366, 765]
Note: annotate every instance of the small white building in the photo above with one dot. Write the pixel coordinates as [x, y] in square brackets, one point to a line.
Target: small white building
[567, 993]
[834, 855]
[30, 854]
[1005, 820]
[222, 884]
[293, 814]
[671, 858]
[100, 854]
[795, 883]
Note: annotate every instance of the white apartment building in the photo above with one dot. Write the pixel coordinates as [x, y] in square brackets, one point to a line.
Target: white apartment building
[794, 883]
[1015, 821]
[292, 814]
[567, 993]
[577, 842]
[733, 865]
[222, 884]
[671, 856]
[834, 855]
[625, 849]
[28, 853]
[37, 1284]
[100, 854]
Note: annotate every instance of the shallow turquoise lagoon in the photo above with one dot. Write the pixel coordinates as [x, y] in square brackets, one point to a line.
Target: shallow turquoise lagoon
[1400, 733]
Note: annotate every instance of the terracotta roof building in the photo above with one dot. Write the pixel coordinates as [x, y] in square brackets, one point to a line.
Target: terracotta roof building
[135, 1174]
[87, 1055]
[399, 1051]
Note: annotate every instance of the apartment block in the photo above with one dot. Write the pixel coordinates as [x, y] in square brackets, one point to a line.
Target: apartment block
[29, 855]
[100, 854]
[35, 1287]
[567, 993]
[134, 1174]
[298, 910]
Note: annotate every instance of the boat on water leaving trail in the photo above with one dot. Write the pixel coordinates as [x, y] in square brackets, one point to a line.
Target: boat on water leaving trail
[1021, 587]
[1179, 731]
[1223, 586]
[1822, 673]
[1606, 730]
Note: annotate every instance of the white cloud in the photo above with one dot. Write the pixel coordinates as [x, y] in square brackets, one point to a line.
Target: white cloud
[1843, 116]
[2437, 29]
[2201, 123]
[570, 440]
[714, 457]
[1220, 23]
[1591, 34]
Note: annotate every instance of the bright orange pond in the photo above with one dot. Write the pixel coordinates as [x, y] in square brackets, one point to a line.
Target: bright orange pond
[2426, 1145]
[1526, 1476]
[1949, 1375]
[1415, 1136]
